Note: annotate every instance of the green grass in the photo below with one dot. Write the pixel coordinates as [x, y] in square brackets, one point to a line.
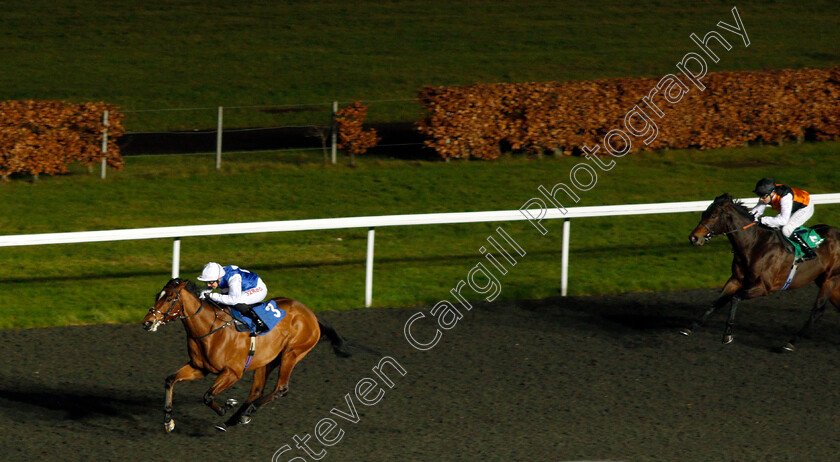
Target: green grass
[117, 281]
[188, 54]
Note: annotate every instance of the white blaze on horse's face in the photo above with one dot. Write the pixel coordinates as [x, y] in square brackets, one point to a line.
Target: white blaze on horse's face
[151, 322]
[155, 322]
[155, 325]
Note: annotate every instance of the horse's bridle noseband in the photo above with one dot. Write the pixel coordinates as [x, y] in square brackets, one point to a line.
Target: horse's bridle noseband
[174, 302]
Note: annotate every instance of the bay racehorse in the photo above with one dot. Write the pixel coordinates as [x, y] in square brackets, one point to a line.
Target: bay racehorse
[216, 347]
[761, 265]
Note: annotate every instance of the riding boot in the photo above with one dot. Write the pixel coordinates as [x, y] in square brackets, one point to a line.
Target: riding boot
[808, 252]
[261, 327]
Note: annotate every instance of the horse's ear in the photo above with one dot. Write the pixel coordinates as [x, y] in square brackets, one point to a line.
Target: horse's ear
[173, 283]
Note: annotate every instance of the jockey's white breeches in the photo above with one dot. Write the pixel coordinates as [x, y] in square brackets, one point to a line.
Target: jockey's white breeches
[797, 219]
[257, 294]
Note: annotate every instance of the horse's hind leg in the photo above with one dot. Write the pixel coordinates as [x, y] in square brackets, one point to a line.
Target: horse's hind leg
[828, 291]
[288, 360]
[187, 372]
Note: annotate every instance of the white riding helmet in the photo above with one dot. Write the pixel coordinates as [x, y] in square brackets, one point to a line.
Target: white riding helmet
[211, 272]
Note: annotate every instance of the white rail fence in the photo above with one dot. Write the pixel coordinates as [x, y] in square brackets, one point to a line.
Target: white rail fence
[371, 222]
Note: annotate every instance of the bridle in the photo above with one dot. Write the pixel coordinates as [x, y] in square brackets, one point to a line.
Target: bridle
[176, 300]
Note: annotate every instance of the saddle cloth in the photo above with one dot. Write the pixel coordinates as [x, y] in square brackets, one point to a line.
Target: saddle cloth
[809, 236]
[268, 313]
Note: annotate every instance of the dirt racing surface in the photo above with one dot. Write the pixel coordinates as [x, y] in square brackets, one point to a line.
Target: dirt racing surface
[602, 378]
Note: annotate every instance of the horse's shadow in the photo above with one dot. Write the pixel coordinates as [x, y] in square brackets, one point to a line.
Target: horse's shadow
[620, 314]
[97, 409]
[70, 405]
[764, 324]
[633, 316]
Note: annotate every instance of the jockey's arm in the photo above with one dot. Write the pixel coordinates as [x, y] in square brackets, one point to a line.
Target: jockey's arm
[234, 292]
[758, 210]
[786, 204]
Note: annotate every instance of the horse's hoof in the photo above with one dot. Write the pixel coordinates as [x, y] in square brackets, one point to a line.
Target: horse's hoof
[221, 427]
[685, 331]
[169, 426]
[231, 403]
[789, 347]
[727, 339]
[244, 420]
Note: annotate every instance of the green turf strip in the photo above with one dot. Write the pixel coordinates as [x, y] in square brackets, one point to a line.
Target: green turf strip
[117, 281]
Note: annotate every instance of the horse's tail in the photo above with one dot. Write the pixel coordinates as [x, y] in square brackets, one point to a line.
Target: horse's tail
[339, 345]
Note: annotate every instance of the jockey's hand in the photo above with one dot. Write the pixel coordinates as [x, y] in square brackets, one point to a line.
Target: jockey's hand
[204, 293]
[763, 220]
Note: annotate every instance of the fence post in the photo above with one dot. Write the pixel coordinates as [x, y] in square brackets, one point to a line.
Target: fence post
[219, 141]
[369, 270]
[176, 257]
[564, 260]
[104, 143]
[334, 132]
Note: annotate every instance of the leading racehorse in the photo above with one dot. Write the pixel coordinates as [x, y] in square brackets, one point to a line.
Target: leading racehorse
[216, 347]
[761, 265]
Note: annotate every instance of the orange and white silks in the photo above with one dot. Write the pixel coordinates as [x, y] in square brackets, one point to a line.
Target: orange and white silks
[799, 196]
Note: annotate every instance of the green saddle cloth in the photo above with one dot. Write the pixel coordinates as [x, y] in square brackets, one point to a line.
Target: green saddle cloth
[809, 236]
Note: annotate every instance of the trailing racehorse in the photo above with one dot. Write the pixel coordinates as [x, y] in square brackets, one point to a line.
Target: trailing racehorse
[216, 347]
[761, 264]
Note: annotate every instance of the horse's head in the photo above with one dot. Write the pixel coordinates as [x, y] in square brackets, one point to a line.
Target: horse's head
[715, 220]
[169, 304]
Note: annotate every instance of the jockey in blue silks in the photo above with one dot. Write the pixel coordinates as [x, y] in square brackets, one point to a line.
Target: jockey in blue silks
[239, 288]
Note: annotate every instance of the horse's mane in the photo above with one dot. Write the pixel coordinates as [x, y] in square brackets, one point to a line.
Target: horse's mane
[741, 209]
[194, 289]
[174, 282]
[737, 205]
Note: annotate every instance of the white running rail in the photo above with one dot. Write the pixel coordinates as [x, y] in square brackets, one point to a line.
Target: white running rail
[371, 222]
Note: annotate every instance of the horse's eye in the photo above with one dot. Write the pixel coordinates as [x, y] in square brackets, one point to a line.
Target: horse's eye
[168, 299]
[714, 216]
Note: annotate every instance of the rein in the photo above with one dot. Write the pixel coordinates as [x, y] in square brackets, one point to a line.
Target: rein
[711, 234]
[213, 331]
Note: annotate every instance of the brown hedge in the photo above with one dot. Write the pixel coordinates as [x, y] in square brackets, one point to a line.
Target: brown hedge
[734, 109]
[46, 136]
[353, 139]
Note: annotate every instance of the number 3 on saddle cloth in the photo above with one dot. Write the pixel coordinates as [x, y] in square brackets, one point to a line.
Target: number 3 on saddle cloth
[268, 313]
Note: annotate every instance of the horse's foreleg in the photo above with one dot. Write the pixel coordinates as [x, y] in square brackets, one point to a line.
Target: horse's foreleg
[754, 291]
[730, 323]
[826, 292]
[223, 381]
[729, 289]
[187, 372]
[243, 414]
